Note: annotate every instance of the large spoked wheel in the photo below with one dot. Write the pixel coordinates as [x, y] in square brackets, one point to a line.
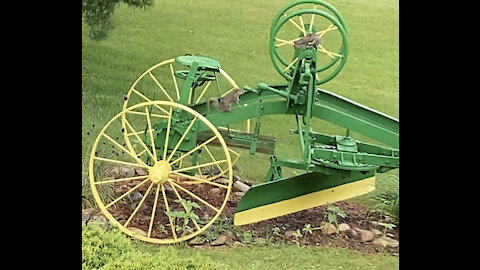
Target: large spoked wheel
[164, 81]
[155, 191]
[332, 52]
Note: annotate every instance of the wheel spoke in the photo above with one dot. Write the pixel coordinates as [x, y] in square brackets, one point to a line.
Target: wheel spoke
[291, 64]
[193, 195]
[126, 193]
[120, 180]
[120, 162]
[181, 139]
[152, 114]
[175, 81]
[199, 166]
[161, 87]
[152, 142]
[153, 211]
[147, 99]
[138, 138]
[212, 157]
[193, 150]
[302, 25]
[329, 28]
[167, 135]
[311, 21]
[296, 25]
[183, 204]
[124, 149]
[201, 180]
[138, 206]
[284, 42]
[322, 49]
[203, 91]
[168, 210]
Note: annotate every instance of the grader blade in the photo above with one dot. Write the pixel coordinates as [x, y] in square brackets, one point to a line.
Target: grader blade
[285, 196]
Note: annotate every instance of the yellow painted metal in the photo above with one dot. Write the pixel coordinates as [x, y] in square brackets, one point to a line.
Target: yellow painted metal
[159, 175]
[310, 200]
[160, 172]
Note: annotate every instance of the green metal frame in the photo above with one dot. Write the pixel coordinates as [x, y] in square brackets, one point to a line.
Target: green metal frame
[338, 158]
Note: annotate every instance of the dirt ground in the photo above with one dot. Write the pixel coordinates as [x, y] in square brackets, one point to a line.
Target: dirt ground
[357, 217]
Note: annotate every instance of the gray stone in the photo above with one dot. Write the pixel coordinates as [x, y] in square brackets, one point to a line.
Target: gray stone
[365, 235]
[343, 227]
[195, 241]
[141, 171]
[327, 228]
[385, 241]
[221, 240]
[239, 186]
[260, 240]
[137, 231]
[351, 233]
[87, 213]
[238, 244]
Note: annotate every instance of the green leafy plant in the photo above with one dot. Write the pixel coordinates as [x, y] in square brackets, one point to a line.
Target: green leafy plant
[332, 213]
[297, 235]
[307, 229]
[187, 215]
[247, 237]
[386, 226]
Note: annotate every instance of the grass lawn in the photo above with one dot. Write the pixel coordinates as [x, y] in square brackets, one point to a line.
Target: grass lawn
[236, 33]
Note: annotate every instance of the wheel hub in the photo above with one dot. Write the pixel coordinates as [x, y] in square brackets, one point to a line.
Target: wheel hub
[160, 172]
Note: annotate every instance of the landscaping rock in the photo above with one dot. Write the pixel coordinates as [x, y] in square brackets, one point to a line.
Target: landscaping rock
[141, 171]
[87, 213]
[239, 194]
[365, 235]
[222, 181]
[386, 242]
[289, 234]
[239, 186]
[351, 233]
[327, 228]
[137, 231]
[343, 227]
[260, 240]
[221, 240]
[238, 244]
[195, 241]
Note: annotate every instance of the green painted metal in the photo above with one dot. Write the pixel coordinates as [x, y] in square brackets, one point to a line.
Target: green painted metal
[327, 160]
[284, 189]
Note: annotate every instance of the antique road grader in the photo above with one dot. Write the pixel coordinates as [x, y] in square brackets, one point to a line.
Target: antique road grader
[183, 117]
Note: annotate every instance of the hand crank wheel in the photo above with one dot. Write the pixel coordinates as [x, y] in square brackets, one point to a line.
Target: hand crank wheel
[331, 53]
[153, 192]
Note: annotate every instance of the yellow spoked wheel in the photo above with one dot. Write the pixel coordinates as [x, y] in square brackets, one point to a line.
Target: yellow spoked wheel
[157, 193]
[160, 83]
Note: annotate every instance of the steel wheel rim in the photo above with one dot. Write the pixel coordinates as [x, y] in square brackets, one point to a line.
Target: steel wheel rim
[104, 206]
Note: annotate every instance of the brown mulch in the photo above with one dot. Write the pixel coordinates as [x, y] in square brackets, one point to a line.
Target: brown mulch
[357, 217]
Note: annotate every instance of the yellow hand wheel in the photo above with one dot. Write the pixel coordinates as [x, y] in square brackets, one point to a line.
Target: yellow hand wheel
[161, 199]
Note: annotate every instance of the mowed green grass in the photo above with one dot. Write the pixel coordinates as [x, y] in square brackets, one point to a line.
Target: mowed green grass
[236, 33]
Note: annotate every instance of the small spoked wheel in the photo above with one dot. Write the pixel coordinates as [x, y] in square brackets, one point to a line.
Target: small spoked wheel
[332, 49]
[157, 190]
[308, 4]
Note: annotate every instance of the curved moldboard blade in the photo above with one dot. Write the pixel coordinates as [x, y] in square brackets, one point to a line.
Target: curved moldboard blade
[278, 198]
